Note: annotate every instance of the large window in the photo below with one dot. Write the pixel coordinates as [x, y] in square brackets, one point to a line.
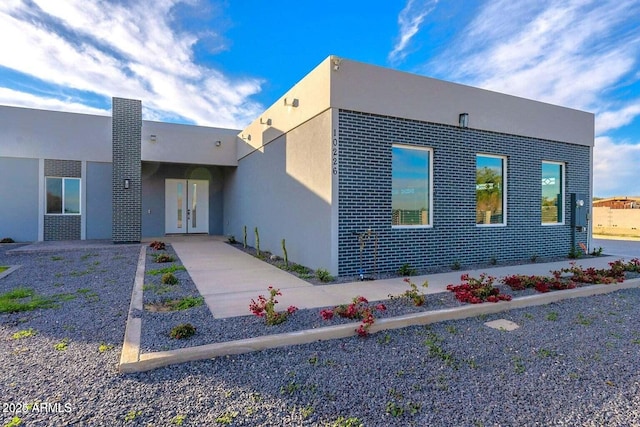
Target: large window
[63, 196]
[552, 193]
[411, 186]
[490, 190]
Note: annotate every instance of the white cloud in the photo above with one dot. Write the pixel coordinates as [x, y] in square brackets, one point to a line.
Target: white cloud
[410, 19]
[615, 168]
[129, 50]
[27, 100]
[615, 119]
[554, 51]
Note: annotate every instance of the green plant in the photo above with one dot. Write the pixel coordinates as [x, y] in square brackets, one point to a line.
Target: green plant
[518, 366]
[306, 412]
[178, 420]
[493, 260]
[552, 316]
[163, 257]
[534, 258]
[62, 345]
[435, 350]
[597, 252]
[456, 265]
[183, 330]
[169, 279]
[406, 270]
[257, 241]
[290, 388]
[582, 320]
[227, 417]
[394, 409]
[15, 421]
[244, 237]
[544, 353]
[575, 252]
[324, 275]
[348, 422]
[188, 302]
[299, 269]
[170, 269]
[7, 240]
[56, 258]
[24, 334]
[103, 347]
[232, 239]
[286, 256]
[266, 308]
[23, 299]
[132, 415]
[413, 294]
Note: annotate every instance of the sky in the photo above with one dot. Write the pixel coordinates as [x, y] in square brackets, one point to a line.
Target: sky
[221, 63]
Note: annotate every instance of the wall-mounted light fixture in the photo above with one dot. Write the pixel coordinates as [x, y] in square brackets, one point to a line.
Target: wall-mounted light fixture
[291, 102]
[153, 138]
[246, 137]
[463, 120]
[126, 184]
[336, 63]
[218, 143]
[265, 121]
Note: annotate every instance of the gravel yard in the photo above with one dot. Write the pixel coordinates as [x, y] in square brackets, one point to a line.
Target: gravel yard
[569, 363]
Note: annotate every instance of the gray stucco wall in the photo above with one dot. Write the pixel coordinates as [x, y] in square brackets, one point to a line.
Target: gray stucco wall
[19, 201]
[98, 213]
[365, 142]
[284, 189]
[153, 193]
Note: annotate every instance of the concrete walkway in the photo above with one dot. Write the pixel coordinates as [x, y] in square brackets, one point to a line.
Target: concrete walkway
[229, 278]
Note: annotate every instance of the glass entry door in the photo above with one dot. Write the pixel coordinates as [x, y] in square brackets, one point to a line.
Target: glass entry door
[186, 206]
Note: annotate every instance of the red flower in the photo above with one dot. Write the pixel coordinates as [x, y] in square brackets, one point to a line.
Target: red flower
[381, 307]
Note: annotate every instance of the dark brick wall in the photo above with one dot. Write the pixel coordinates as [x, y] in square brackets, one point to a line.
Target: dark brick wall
[126, 203]
[62, 227]
[364, 198]
[63, 168]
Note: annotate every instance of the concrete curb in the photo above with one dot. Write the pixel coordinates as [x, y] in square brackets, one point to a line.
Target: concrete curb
[9, 270]
[133, 331]
[149, 361]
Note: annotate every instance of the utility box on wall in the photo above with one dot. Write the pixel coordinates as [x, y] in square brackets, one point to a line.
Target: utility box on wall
[579, 211]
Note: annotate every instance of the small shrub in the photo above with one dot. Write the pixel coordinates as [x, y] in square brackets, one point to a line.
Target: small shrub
[157, 245]
[182, 331]
[104, 347]
[299, 269]
[7, 240]
[163, 257]
[266, 308]
[575, 252]
[406, 270]
[169, 279]
[597, 252]
[456, 265]
[232, 239]
[62, 345]
[324, 275]
[24, 334]
[534, 258]
[417, 297]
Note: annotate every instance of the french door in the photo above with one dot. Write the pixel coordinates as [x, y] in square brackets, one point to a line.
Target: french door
[186, 206]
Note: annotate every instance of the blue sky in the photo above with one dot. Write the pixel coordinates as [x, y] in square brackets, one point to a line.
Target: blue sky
[220, 63]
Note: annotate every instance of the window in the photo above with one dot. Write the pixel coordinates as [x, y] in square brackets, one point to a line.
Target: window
[552, 193]
[490, 190]
[410, 186]
[63, 196]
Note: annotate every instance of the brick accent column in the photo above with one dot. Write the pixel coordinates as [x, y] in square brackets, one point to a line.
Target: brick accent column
[127, 202]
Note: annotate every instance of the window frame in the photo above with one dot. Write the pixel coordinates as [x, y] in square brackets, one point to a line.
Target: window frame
[562, 196]
[64, 180]
[429, 150]
[504, 160]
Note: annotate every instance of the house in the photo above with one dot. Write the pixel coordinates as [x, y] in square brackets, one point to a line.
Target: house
[360, 168]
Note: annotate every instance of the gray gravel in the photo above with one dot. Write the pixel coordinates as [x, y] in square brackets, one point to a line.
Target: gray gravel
[570, 363]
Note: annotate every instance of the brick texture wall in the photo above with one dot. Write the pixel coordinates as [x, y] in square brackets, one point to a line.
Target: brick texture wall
[364, 185]
[126, 203]
[62, 227]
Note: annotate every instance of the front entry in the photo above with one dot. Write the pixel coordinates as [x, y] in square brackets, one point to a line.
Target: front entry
[186, 206]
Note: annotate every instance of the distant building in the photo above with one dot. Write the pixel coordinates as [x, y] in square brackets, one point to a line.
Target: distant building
[617, 216]
[356, 166]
